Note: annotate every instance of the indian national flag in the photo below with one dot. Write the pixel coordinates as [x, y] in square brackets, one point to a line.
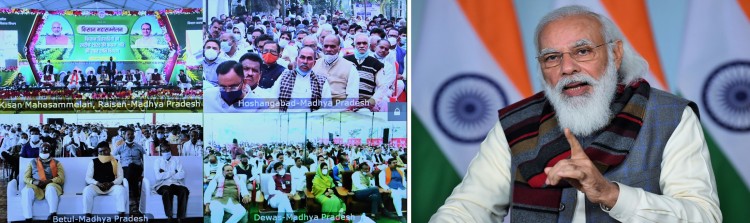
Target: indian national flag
[715, 73]
[470, 62]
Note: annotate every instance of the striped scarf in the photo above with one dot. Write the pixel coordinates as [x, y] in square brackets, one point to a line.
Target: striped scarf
[608, 149]
[287, 85]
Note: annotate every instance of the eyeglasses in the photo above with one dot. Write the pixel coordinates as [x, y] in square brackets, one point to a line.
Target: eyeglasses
[579, 54]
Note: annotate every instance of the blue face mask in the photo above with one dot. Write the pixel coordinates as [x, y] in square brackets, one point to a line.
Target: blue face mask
[230, 97]
[360, 56]
[303, 73]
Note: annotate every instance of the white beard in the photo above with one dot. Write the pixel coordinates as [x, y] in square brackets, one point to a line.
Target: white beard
[587, 113]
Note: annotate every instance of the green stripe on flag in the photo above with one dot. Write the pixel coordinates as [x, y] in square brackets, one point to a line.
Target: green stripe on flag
[435, 177]
[733, 193]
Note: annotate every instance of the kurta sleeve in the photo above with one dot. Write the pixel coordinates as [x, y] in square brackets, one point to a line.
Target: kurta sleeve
[687, 182]
[481, 196]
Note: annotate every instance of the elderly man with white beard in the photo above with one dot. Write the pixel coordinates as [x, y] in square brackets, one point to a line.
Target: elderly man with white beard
[598, 145]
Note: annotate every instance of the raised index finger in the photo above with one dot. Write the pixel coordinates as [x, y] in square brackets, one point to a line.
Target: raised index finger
[575, 148]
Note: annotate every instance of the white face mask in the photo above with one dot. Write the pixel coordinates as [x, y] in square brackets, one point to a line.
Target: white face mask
[330, 58]
[325, 171]
[392, 41]
[281, 172]
[210, 54]
[44, 156]
[225, 46]
[34, 138]
[166, 155]
[283, 43]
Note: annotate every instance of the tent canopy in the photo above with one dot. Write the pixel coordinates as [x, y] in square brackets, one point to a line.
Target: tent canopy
[139, 5]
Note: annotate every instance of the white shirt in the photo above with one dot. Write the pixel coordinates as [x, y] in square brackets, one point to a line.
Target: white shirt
[215, 104]
[357, 181]
[147, 143]
[301, 90]
[217, 170]
[172, 174]
[237, 54]
[686, 180]
[190, 149]
[298, 172]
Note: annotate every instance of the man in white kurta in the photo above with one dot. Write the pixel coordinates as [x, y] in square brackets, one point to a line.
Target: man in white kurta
[687, 189]
[104, 175]
[224, 193]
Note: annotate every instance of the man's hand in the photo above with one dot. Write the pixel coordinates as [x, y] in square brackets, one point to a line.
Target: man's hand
[289, 195]
[581, 173]
[207, 210]
[43, 183]
[246, 199]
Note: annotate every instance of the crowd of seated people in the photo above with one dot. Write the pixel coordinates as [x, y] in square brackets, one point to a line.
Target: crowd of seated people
[284, 169]
[102, 79]
[127, 144]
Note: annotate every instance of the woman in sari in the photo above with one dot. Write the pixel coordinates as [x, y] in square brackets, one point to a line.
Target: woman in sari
[323, 189]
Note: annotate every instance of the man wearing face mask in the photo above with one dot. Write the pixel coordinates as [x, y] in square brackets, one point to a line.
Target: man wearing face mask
[212, 57]
[31, 148]
[279, 159]
[247, 168]
[90, 143]
[229, 46]
[160, 133]
[70, 146]
[44, 179]
[382, 53]
[131, 157]
[10, 141]
[194, 146]
[104, 176]
[302, 83]
[371, 74]
[344, 165]
[147, 142]
[211, 169]
[270, 70]
[341, 74]
[224, 193]
[401, 50]
[292, 49]
[169, 183]
[373, 40]
[174, 136]
[231, 90]
[119, 139]
[280, 193]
